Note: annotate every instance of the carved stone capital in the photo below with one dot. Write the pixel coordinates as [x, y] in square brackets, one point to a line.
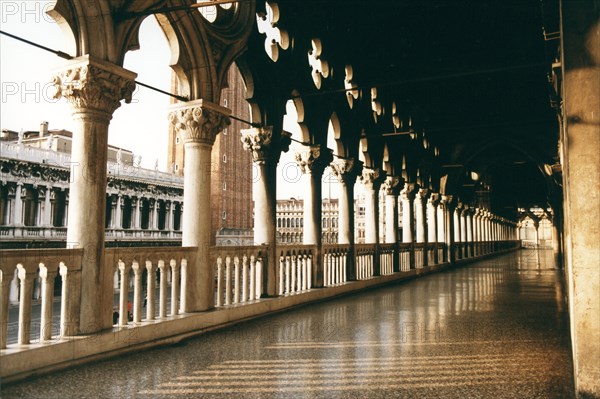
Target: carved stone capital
[313, 160]
[372, 178]
[258, 142]
[346, 170]
[434, 199]
[392, 185]
[199, 121]
[91, 84]
[408, 192]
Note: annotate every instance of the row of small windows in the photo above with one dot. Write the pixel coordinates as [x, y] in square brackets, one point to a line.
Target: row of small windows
[290, 222]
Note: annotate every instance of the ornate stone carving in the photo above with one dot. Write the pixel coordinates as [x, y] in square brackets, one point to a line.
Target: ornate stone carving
[276, 37]
[92, 84]
[346, 170]
[199, 121]
[372, 178]
[408, 192]
[258, 142]
[392, 185]
[314, 161]
[434, 199]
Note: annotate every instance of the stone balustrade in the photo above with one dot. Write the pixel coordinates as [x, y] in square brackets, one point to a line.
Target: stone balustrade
[238, 273]
[386, 259]
[151, 283]
[149, 268]
[43, 266]
[335, 261]
[419, 249]
[365, 260]
[296, 264]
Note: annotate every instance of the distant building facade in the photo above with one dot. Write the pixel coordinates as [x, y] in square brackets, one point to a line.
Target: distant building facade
[142, 205]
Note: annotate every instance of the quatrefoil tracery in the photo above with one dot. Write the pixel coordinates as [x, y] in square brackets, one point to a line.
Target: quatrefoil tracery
[319, 66]
[276, 37]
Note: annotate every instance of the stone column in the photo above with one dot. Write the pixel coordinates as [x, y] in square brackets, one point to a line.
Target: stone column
[47, 218]
[118, 224]
[265, 156]
[469, 232]
[449, 226]
[371, 179]
[432, 218]
[198, 122]
[155, 215]
[441, 216]
[171, 226]
[312, 162]
[346, 171]
[407, 196]
[94, 88]
[137, 203]
[391, 188]
[420, 222]
[18, 208]
[457, 224]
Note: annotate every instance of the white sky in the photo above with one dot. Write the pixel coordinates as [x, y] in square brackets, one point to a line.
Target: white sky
[26, 74]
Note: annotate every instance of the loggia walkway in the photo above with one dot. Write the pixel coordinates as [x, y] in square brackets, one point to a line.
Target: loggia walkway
[495, 328]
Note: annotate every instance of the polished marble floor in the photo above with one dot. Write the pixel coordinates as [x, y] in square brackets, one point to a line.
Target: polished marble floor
[493, 329]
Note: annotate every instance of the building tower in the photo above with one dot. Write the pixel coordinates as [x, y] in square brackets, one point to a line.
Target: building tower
[231, 169]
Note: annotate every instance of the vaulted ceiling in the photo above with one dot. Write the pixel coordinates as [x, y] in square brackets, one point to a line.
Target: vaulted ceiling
[472, 75]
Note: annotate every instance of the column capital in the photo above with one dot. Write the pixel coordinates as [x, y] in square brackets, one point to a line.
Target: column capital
[422, 193]
[313, 160]
[392, 185]
[372, 178]
[346, 170]
[257, 140]
[199, 121]
[409, 190]
[88, 83]
[434, 199]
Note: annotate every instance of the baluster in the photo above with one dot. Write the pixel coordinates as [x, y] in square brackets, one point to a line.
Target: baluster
[287, 273]
[344, 264]
[299, 275]
[236, 277]
[162, 304]
[4, 290]
[252, 277]
[150, 289]
[219, 281]
[227, 280]
[25, 304]
[258, 276]
[137, 292]
[47, 300]
[309, 262]
[281, 275]
[244, 278]
[69, 311]
[326, 281]
[124, 272]
[293, 272]
[183, 270]
[174, 288]
[304, 273]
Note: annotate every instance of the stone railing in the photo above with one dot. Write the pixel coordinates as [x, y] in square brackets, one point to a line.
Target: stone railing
[387, 254]
[364, 260]
[335, 263]
[44, 266]
[35, 233]
[419, 253]
[404, 256]
[239, 273]
[149, 267]
[295, 267]
[158, 291]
